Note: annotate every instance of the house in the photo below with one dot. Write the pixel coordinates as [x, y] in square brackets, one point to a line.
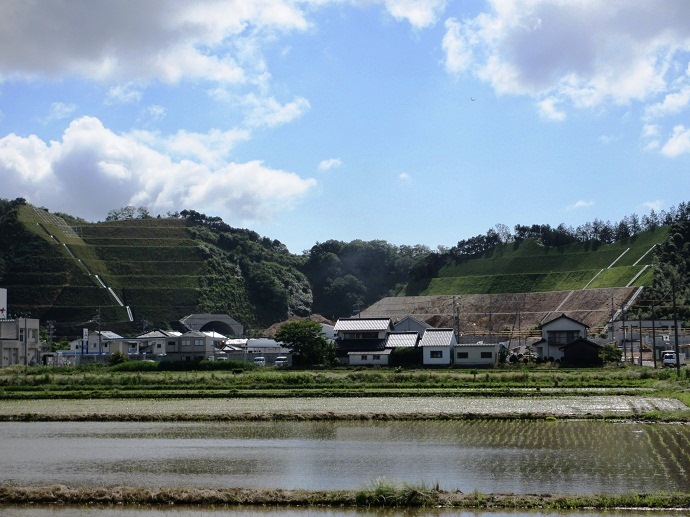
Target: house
[154, 343]
[437, 346]
[361, 335]
[557, 333]
[99, 342]
[190, 346]
[19, 341]
[476, 354]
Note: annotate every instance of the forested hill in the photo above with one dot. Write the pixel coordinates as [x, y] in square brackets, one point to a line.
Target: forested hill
[135, 270]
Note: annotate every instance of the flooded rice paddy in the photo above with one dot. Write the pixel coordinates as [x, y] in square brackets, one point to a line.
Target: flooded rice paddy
[567, 457]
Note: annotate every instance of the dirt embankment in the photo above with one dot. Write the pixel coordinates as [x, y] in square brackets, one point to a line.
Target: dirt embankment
[505, 313]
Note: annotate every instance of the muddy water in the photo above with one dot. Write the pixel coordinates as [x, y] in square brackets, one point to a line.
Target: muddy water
[577, 457]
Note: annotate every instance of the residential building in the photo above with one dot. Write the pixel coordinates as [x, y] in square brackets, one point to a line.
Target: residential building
[556, 333]
[437, 346]
[19, 341]
[361, 335]
[476, 354]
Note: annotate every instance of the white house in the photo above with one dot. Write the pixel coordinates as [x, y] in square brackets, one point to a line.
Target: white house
[557, 333]
[99, 342]
[437, 346]
[476, 354]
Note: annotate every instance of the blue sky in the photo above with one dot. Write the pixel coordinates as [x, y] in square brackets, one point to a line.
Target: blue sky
[415, 122]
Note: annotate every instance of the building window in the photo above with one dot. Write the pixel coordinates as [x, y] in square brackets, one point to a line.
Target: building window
[463, 355]
[436, 354]
[376, 357]
[487, 355]
[198, 342]
[105, 345]
[364, 358]
[159, 345]
[360, 335]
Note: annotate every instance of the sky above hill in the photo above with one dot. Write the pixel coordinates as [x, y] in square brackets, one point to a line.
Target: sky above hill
[415, 122]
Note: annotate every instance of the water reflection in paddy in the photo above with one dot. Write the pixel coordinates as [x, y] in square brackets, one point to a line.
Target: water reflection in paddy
[512, 456]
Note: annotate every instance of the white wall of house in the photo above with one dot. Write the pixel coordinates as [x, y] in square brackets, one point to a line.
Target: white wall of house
[476, 354]
[379, 357]
[437, 355]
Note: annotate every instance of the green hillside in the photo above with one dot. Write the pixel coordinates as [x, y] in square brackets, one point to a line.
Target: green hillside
[527, 266]
[153, 270]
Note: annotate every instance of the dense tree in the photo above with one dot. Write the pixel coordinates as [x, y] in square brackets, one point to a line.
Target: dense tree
[305, 339]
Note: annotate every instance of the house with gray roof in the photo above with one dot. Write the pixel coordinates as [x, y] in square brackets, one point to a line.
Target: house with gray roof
[361, 335]
[437, 347]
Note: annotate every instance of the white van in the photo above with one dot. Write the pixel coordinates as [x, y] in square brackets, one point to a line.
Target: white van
[260, 361]
[281, 360]
[668, 358]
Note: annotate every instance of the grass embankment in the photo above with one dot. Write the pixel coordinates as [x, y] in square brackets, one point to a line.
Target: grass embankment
[146, 379]
[382, 494]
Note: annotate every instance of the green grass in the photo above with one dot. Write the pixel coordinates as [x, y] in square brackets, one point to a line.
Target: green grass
[531, 267]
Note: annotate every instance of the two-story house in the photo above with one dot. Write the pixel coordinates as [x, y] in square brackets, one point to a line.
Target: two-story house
[564, 339]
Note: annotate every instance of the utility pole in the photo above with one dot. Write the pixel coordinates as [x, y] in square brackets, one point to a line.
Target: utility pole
[675, 326]
[639, 315]
[653, 337]
[625, 350]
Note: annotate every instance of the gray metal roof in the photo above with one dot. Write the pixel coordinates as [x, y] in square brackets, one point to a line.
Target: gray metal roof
[402, 339]
[362, 324]
[437, 337]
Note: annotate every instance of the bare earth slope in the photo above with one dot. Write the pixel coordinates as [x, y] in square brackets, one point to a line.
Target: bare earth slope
[510, 312]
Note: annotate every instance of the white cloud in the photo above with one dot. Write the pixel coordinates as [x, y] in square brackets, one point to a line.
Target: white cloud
[124, 94]
[59, 111]
[331, 163]
[404, 177]
[578, 53]
[419, 13]
[130, 39]
[268, 112]
[671, 104]
[678, 143]
[155, 112]
[92, 170]
[457, 48]
[655, 205]
[549, 110]
[580, 204]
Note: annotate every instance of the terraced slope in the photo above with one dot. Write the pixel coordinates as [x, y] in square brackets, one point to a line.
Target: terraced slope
[530, 267]
[123, 270]
[153, 265]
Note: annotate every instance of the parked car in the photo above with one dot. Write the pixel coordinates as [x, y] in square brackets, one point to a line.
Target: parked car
[668, 358]
[281, 360]
[260, 361]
